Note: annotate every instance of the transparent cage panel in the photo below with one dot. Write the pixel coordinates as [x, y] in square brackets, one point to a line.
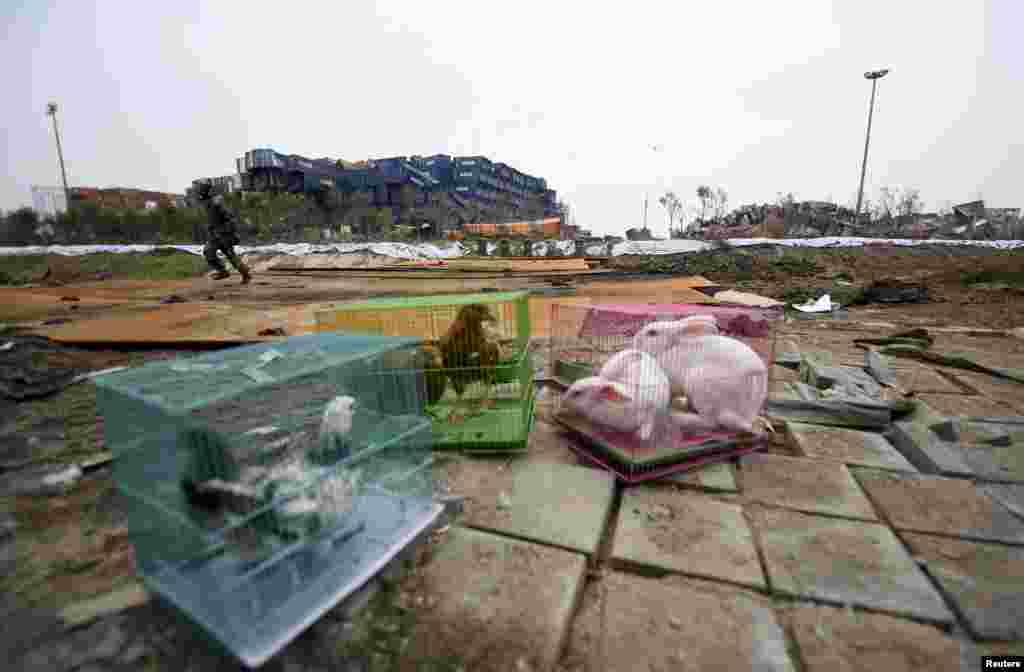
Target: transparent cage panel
[251, 501]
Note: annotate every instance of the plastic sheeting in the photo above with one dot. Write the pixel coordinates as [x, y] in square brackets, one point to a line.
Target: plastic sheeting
[395, 250]
[427, 251]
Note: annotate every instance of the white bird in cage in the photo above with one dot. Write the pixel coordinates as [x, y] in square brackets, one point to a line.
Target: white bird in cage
[336, 425]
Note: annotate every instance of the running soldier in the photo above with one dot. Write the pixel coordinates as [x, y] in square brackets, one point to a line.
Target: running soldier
[223, 235]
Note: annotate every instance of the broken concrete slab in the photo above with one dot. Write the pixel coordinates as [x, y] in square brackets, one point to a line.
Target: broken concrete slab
[842, 639]
[936, 504]
[844, 562]
[1010, 496]
[632, 623]
[963, 405]
[866, 449]
[717, 476]
[815, 486]
[551, 503]
[915, 438]
[996, 463]
[494, 599]
[663, 529]
[860, 415]
[983, 581]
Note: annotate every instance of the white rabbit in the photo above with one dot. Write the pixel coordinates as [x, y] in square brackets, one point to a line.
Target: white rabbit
[651, 390]
[723, 379]
[630, 398]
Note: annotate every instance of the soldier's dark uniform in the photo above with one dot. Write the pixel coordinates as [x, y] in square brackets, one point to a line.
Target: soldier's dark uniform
[223, 237]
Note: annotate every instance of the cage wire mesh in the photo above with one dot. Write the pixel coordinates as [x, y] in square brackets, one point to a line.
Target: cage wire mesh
[475, 363]
[688, 402]
[264, 483]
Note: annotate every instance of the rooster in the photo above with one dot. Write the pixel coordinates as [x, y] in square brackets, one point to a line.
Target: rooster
[469, 356]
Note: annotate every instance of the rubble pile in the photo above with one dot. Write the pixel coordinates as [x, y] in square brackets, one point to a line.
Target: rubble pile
[815, 219]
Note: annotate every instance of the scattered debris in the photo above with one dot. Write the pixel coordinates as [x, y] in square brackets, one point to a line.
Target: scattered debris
[746, 299]
[9, 345]
[70, 298]
[822, 305]
[895, 291]
[56, 321]
[275, 331]
[915, 344]
[504, 501]
[173, 298]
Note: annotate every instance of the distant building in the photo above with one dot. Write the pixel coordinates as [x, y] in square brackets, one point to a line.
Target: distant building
[123, 199]
[49, 201]
[468, 189]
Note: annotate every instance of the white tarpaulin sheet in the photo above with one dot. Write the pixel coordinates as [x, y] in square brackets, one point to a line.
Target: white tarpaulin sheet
[426, 251]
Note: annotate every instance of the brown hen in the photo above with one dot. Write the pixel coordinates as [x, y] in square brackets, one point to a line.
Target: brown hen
[469, 356]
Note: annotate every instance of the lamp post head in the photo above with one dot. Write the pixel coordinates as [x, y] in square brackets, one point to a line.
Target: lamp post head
[51, 109]
[876, 74]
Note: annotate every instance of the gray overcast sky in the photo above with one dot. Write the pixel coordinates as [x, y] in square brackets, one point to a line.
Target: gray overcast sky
[758, 97]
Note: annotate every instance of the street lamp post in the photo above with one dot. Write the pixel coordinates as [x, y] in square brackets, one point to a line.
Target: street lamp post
[51, 110]
[655, 149]
[874, 76]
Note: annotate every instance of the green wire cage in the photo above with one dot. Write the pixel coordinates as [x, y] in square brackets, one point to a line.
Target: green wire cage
[475, 363]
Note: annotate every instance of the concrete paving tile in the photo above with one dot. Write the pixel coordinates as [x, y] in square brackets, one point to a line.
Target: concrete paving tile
[844, 562]
[1001, 649]
[549, 444]
[816, 486]
[1005, 391]
[494, 602]
[674, 624]
[839, 639]
[922, 378]
[717, 476]
[946, 506]
[984, 581]
[668, 530]
[551, 503]
[963, 405]
[867, 449]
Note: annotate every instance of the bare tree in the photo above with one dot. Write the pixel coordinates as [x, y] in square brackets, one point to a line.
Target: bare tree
[672, 206]
[720, 202]
[909, 202]
[704, 195]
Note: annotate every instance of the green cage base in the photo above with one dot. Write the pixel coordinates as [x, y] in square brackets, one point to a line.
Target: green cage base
[494, 430]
